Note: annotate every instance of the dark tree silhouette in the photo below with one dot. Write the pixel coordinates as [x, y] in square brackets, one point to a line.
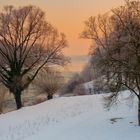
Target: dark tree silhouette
[27, 44]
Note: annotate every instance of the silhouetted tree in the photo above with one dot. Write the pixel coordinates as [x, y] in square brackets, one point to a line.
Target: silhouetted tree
[27, 44]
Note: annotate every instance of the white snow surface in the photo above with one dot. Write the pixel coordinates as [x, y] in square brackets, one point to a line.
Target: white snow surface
[72, 118]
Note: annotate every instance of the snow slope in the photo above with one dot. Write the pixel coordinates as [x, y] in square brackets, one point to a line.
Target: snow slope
[72, 118]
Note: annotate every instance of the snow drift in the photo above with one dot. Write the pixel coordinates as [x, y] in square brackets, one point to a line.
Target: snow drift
[72, 118]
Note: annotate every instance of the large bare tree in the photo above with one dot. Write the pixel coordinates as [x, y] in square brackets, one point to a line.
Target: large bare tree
[116, 48]
[27, 44]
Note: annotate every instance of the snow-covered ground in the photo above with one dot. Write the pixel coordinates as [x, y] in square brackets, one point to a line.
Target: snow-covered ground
[72, 118]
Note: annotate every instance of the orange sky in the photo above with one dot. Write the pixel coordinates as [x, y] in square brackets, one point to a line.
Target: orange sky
[68, 16]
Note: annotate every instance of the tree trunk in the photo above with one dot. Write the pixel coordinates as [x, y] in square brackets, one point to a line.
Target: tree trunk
[49, 97]
[139, 112]
[18, 99]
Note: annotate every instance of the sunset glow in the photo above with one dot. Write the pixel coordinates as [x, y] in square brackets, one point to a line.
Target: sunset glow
[69, 16]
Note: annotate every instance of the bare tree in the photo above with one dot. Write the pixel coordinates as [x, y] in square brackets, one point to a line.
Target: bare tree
[117, 48]
[27, 44]
[49, 82]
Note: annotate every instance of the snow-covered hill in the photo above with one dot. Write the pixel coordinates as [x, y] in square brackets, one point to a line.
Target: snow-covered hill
[72, 118]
